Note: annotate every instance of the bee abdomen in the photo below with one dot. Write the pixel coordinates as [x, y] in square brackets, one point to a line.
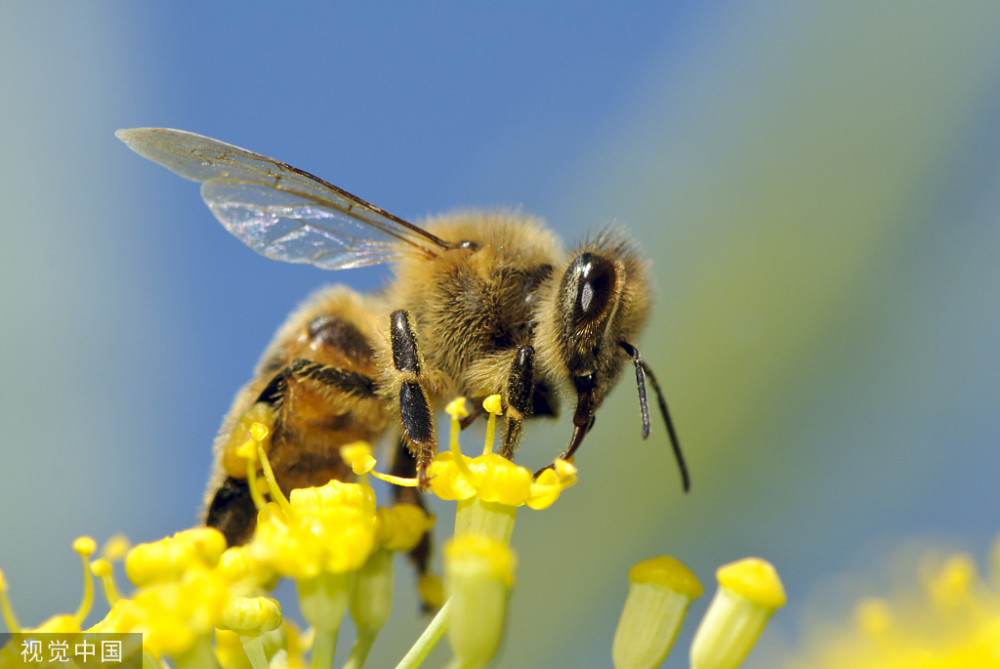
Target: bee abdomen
[232, 511]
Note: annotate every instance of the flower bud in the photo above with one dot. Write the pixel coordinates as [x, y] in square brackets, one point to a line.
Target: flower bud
[660, 591]
[479, 572]
[749, 593]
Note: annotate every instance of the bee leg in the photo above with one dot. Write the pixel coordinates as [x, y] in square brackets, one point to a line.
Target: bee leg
[414, 411]
[475, 412]
[404, 465]
[232, 510]
[346, 381]
[520, 393]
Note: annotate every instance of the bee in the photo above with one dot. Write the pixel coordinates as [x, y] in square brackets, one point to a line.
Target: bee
[481, 303]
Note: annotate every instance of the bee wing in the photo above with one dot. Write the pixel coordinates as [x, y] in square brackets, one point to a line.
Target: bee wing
[280, 211]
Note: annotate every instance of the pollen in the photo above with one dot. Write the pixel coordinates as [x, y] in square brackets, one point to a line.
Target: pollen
[493, 404]
[253, 427]
[116, 548]
[85, 546]
[754, 579]
[359, 456]
[457, 408]
[259, 431]
[545, 489]
[667, 572]
[502, 481]
[496, 479]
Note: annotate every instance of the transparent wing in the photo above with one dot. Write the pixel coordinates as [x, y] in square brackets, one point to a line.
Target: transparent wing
[279, 210]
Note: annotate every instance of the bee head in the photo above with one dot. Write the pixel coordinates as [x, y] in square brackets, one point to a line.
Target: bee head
[594, 312]
[600, 299]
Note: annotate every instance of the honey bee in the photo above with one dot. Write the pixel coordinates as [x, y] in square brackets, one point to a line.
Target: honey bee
[482, 303]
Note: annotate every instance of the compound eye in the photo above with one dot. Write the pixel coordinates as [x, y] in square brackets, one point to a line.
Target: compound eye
[595, 283]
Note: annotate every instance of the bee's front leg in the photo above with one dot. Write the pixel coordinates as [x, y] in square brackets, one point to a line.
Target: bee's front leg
[519, 396]
[414, 410]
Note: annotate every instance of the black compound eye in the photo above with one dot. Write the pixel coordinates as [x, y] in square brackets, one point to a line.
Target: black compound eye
[595, 282]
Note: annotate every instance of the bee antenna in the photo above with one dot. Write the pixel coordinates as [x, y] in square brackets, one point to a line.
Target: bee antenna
[642, 370]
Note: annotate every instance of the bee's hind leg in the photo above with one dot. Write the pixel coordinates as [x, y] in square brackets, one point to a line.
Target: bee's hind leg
[231, 509]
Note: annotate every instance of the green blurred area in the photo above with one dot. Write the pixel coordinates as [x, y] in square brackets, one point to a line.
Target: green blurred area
[820, 204]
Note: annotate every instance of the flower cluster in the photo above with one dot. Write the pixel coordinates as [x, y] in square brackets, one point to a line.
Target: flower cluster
[199, 604]
[948, 619]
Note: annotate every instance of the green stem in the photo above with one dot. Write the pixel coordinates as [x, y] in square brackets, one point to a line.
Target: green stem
[324, 647]
[474, 516]
[362, 646]
[425, 644]
[253, 646]
[323, 601]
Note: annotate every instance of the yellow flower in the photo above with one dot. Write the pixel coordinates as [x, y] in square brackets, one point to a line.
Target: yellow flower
[326, 529]
[245, 575]
[401, 527]
[489, 488]
[949, 619]
[174, 616]
[491, 477]
[168, 558]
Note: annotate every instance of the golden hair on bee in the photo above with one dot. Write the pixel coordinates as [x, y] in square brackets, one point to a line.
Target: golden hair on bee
[480, 303]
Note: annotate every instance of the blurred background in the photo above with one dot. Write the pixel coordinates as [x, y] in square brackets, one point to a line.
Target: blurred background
[818, 185]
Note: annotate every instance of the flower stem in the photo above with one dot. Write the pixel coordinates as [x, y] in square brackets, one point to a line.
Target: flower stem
[253, 646]
[457, 663]
[425, 644]
[362, 646]
[323, 601]
[324, 647]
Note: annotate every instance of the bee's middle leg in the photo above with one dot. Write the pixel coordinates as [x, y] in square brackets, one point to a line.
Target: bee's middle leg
[414, 410]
